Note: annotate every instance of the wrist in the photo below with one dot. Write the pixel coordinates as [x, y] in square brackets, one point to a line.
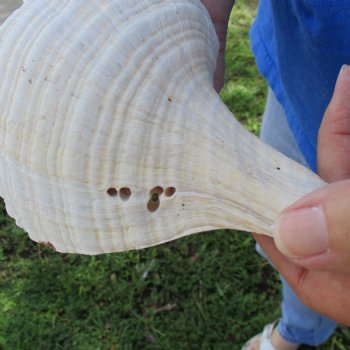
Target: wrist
[219, 10]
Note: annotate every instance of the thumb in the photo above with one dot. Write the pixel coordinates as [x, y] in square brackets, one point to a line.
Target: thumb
[315, 231]
[333, 150]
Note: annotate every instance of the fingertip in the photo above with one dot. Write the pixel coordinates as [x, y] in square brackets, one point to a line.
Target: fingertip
[333, 137]
[344, 69]
[342, 88]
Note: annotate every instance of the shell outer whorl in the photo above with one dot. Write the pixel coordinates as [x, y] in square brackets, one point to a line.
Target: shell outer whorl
[93, 97]
[112, 136]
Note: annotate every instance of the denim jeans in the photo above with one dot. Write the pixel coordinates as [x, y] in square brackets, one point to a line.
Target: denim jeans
[298, 323]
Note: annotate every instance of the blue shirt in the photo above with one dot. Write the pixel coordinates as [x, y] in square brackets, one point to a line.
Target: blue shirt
[300, 46]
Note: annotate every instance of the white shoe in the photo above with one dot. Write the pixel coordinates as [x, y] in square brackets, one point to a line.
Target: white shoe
[264, 338]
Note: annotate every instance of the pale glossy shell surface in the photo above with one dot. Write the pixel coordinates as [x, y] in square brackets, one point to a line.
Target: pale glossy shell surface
[112, 136]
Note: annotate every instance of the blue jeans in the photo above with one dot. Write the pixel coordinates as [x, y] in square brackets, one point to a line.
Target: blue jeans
[298, 323]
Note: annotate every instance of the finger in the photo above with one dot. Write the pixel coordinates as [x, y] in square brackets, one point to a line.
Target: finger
[333, 149]
[323, 291]
[315, 231]
[219, 77]
[220, 71]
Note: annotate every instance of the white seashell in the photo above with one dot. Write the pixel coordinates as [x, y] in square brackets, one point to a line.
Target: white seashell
[103, 101]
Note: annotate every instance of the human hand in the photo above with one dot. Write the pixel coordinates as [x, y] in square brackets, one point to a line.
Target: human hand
[219, 11]
[311, 247]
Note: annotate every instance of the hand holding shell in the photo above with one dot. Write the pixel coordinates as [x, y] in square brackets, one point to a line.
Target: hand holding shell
[112, 136]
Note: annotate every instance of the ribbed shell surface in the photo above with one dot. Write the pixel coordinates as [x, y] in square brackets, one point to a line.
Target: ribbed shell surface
[77, 78]
[112, 136]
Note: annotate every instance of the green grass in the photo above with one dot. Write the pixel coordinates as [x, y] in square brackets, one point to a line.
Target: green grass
[245, 90]
[208, 291]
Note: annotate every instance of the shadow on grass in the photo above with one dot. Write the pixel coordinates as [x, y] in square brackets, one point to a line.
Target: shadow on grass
[209, 291]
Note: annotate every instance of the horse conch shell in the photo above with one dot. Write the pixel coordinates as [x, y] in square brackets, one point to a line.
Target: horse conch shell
[112, 136]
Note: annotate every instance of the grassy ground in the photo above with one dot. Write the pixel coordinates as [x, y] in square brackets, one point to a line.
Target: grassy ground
[209, 291]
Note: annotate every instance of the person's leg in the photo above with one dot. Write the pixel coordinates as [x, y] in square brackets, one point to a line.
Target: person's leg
[298, 324]
[276, 132]
[301, 325]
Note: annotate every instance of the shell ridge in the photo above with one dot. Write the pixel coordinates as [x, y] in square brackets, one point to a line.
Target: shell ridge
[118, 93]
[10, 90]
[111, 138]
[21, 148]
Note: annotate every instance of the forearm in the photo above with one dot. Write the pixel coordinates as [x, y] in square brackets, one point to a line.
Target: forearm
[219, 10]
